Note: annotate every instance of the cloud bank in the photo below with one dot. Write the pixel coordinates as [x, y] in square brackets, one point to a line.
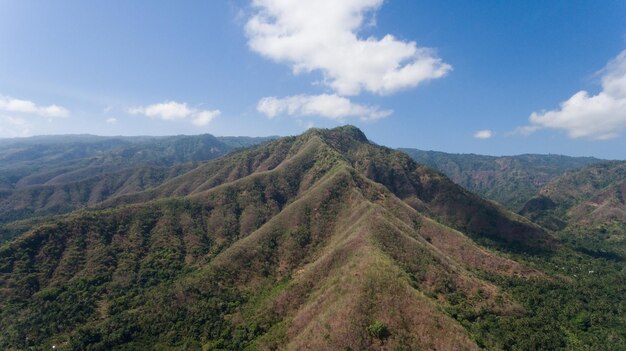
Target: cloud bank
[173, 111]
[601, 116]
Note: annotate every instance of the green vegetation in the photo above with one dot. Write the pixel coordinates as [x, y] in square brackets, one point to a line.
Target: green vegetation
[322, 241]
[580, 307]
[378, 330]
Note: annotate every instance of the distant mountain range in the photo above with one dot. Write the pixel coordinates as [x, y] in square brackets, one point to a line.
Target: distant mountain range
[322, 241]
[593, 195]
[509, 180]
[58, 174]
[552, 190]
[47, 160]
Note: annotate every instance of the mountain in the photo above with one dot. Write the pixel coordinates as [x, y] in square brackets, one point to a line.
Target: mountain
[54, 175]
[56, 160]
[593, 195]
[509, 180]
[52, 199]
[323, 241]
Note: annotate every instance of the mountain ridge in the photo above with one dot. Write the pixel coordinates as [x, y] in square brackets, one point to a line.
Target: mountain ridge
[261, 255]
[508, 180]
[76, 172]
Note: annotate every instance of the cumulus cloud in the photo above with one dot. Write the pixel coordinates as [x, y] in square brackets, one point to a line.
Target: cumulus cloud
[330, 106]
[322, 35]
[203, 118]
[601, 116]
[9, 104]
[111, 120]
[14, 127]
[172, 111]
[483, 134]
[169, 110]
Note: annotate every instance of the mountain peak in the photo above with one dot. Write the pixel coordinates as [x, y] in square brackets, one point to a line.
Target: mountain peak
[280, 240]
[342, 133]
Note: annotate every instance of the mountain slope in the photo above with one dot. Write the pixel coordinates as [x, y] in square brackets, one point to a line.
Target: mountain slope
[41, 200]
[55, 175]
[55, 160]
[509, 180]
[319, 242]
[424, 189]
[590, 196]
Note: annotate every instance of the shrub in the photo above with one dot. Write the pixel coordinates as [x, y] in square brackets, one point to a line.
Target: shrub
[378, 330]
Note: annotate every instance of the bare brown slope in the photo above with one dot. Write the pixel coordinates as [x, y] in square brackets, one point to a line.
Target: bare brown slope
[607, 205]
[433, 193]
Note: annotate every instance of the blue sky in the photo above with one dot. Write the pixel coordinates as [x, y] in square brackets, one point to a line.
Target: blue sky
[455, 76]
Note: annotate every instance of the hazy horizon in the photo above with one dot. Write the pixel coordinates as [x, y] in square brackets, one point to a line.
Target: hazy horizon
[280, 136]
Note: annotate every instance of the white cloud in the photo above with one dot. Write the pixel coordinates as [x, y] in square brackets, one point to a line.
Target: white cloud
[203, 118]
[483, 134]
[169, 110]
[111, 120]
[172, 110]
[325, 105]
[601, 116]
[11, 127]
[322, 35]
[9, 104]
